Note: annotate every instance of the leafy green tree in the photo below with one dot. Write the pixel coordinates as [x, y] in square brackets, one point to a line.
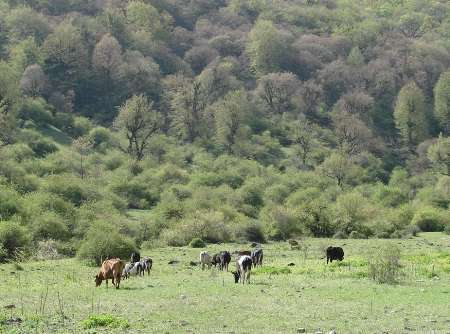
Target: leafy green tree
[229, 116]
[338, 167]
[139, 122]
[106, 61]
[187, 102]
[410, 114]
[442, 102]
[66, 56]
[303, 136]
[439, 155]
[266, 48]
[24, 22]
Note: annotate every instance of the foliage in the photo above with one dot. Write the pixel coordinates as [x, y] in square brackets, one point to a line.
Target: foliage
[384, 266]
[103, 241]
[13, 238]
[104, 320]
[197, 243]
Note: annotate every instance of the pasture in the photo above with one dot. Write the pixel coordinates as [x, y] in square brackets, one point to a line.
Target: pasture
[59, 296]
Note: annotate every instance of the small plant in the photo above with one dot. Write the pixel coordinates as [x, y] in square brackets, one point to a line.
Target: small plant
[104, 320]
[197, 243]
[384, 265]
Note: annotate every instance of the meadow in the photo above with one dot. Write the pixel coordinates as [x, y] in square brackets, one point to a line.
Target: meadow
[59, 296]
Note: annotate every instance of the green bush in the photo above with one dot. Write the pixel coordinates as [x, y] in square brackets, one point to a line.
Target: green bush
[430, 220]
[101, 137]
[36, 110]
[104, 320]
[253, 232]
[197, 243]
[104, 241]
[356, 235]
[81, 126]
[50, 226]
[42, 147]
[384, 266]
[13, 238]
[9, 203]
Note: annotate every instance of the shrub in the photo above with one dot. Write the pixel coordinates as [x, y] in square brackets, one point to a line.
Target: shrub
[282, 223]
[429, 220]
[13, 238]
[50, 226]
[103, 241]
[41, 147]
[254, 232]
[340, 235]
[356, 235]
[101, 137]
[9, 203]
[197, 243]
[104, 320]
[81, 126]
[36, 110]
[384, 265]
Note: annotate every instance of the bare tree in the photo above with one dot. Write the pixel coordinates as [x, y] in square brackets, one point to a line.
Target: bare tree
[34, 82]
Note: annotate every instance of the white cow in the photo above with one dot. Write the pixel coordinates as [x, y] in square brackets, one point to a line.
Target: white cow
[205, 260]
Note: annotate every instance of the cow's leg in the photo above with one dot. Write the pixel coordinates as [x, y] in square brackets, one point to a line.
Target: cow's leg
[107, 284]
[117, 281]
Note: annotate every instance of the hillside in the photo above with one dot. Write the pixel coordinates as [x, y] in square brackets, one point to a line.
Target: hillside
[152, 122]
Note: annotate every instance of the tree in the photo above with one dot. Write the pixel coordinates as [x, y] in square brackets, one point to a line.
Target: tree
[24, 22]
[277, 90]
[410, 114]
[352, 134]
[187, 102]
[442, 102]
[439, 155]
[66, 56]
[229, 115]
[338, 167]
[82, 145]
[106, 61]
[357, 103]
[34, 82]
[266, 48]
[302, 134]
[139, 121]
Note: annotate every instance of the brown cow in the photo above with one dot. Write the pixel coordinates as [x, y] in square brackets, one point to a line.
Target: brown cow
[244, 252]
[111, 269]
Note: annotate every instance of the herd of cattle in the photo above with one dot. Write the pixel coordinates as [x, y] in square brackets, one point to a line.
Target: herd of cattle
[116, 269]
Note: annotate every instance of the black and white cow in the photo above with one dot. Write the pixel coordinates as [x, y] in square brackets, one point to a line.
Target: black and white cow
[135, 257]
[243, 269]
[146, 265]
[224, 260]
[257, 257]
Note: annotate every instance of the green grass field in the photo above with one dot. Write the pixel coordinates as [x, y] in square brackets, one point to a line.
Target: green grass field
[59, 296]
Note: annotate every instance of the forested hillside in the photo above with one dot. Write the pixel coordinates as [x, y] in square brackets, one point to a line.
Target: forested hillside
[159, 121]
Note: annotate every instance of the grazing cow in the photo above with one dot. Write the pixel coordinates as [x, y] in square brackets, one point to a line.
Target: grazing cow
[335, 253]
[134, 269]
[216, 259]
[205, 259]
[257, 257]
[224, 260]
[146, 265]
[135, 257]
[243, 269]
[126, 270]
[110, 269]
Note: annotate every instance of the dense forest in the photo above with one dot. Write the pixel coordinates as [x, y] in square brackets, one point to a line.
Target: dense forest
[154, 122]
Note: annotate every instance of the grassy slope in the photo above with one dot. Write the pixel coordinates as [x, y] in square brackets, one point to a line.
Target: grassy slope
[183, 299]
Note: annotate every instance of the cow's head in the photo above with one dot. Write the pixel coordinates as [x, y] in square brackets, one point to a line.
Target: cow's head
[98, 280]
[236, 275]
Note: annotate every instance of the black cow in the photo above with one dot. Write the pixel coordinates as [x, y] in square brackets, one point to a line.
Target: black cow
[224, 260]
[335, 253]
[216, 259]
[135, 257]
[257, 257]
